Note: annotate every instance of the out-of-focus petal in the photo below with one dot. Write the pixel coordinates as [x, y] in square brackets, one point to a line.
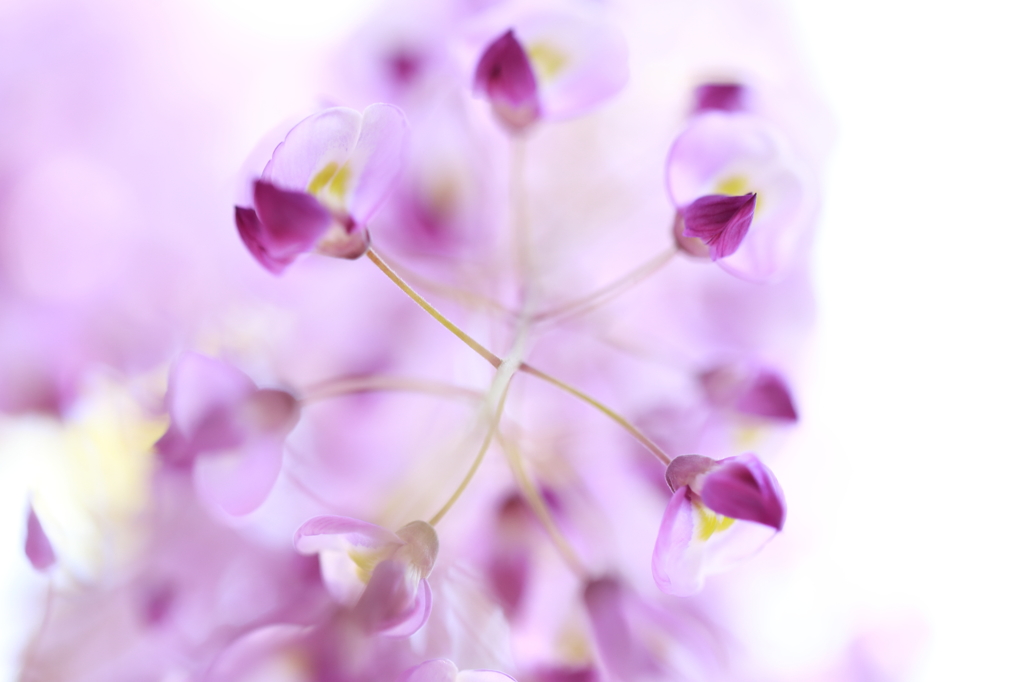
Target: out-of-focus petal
[579, 62]
[720, 221]
[392, 602]
[719, 97]
[437, 670]
[767, 396]
[200, 393]
[415, 617]
[318, 140]
[38, 549]
[743, 488]
[504, 74]
[239, 480]
[377, 159]
[605, 602]
[483, 676]
[675, 565]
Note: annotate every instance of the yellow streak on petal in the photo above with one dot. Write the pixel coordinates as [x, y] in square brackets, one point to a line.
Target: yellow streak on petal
[339, 183]
[709, 523]
[547, 60]
[366, 559]
[732, 185]
[322, 177]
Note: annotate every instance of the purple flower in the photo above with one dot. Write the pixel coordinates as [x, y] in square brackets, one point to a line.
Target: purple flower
[714, 225]
[382, 575]
[699, 534]
[715, 167]
[228, 431]
[551, 66]
[323, 184]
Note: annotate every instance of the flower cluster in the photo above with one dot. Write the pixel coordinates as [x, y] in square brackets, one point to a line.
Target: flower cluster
[512, 434]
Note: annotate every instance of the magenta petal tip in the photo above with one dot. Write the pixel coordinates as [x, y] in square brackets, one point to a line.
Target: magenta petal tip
[743, 488]
[720, 221]
[505, 76]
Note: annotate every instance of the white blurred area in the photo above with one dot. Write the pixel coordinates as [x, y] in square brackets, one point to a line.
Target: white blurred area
[916, 400]
[905, 523]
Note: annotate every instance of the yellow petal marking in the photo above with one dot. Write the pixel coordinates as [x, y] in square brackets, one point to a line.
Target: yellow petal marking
[322, 177]
[547, 60]
[367, 558]
[732, 185]
[708, 522]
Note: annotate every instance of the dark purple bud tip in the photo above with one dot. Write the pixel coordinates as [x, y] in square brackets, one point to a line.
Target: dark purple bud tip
[283, 225]
[719, 220]
[719, 97]
[743, 488]
[505, 77]
[683, 470]
[767, 396]
[37, 546]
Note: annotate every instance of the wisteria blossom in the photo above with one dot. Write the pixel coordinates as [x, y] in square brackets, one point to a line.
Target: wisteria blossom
[324, 182]
[446, 460]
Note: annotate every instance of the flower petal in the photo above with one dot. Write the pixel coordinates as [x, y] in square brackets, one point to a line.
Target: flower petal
[579, 61]
[437, 670]
[505, 76]
[743, 488]
[239, 480]
[339, 533]
[377, 159]
[719, 97]
[676, 560]
[683, 470]
[201, 393]
[415, 617]
[392, 603]
[317, 140]
[483, 676]
[767, 396]
[720, 221]
[293, 222]
[38, 549]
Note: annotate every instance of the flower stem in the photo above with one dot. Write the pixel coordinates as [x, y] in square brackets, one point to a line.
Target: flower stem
[432, 311]
[500, 385]
[529, 369]
[540, 508]
[604, 409]
[608, 292]
[339, 386]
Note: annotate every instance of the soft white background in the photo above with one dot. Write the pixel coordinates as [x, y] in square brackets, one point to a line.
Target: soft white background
[919, 371]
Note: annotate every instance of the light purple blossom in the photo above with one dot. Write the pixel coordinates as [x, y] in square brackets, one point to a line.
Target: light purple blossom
[38, 549]
[323, 184]
[699, 535]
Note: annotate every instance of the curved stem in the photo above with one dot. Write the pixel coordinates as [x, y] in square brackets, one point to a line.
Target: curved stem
[540, 508]
[432, 311]
[609, 291]
[340, 386]
[529, 369]
[604, 409]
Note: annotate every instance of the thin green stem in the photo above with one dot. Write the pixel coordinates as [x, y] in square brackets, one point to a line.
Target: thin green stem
[529, 369]
[607, 292]
[432, 311]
